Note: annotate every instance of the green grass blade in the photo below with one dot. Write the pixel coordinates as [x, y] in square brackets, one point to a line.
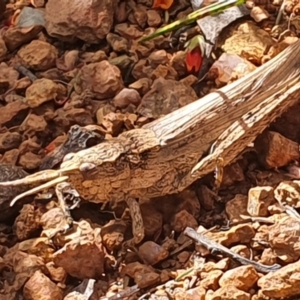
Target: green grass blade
[211, 9]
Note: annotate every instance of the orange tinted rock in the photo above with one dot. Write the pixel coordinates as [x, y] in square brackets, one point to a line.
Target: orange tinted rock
[38, 55]
[40, 287]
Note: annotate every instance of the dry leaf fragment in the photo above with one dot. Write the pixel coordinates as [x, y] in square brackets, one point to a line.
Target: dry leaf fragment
[163, 4]
[194, 60]
[194, 57]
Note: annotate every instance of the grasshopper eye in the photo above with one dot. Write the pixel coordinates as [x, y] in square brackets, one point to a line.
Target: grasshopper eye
[86, 167]
[69, 156]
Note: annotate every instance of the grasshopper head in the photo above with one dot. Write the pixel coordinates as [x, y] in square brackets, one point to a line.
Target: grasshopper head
[45, 179]
[85, 160]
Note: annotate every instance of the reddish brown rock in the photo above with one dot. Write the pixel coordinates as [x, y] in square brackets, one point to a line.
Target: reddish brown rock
[141, 85]
[229, 293]
[125, 97]
[206, 197]
[39, 286]
[130, 32]
[268, 257]
[272, 154]
[191, 294]
[284, 238]
[67, 117]
[121, 13]
[242, 250]
[143, 275]
[210, 280]
[281, 284]
[182, 220]
[233, 173]
[158, 57]
[143, 50]
[38, 55]
[222, 265]
[113, 234]
[154, 19]
[16, 36]
[43, 90]
[152, 253]
[102, 79]
[9, 140]
[24, 266]
[243, 278]
[30, 161]
[27, 223]
[118, 43]
[56, 274]
[29, 146]
[68, 61]
[112, 123]
[8, 76]
[83, 256]
[164, 97]
[10, 157]
[178, 63]
[140, 15]
[34, 125]
[166, 72]
[188, 201]
[141, 69]
[88, 20]
[183, 256]
[98, 56]
[237, 207]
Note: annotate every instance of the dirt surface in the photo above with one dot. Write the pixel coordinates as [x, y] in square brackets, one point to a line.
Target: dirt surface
[72, 74]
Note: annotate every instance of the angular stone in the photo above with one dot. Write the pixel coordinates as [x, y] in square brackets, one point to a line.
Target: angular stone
[38, 55]
[229, 293]
[102, 79]
[164, 97]
[87, 20]
[259, 199]
[236, 207]
[39, 286]
[281, 284]
[243, 278]
[42, 90]
[152, 253]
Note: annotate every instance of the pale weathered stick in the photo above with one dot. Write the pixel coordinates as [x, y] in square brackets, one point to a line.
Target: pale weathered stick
[216, 247]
